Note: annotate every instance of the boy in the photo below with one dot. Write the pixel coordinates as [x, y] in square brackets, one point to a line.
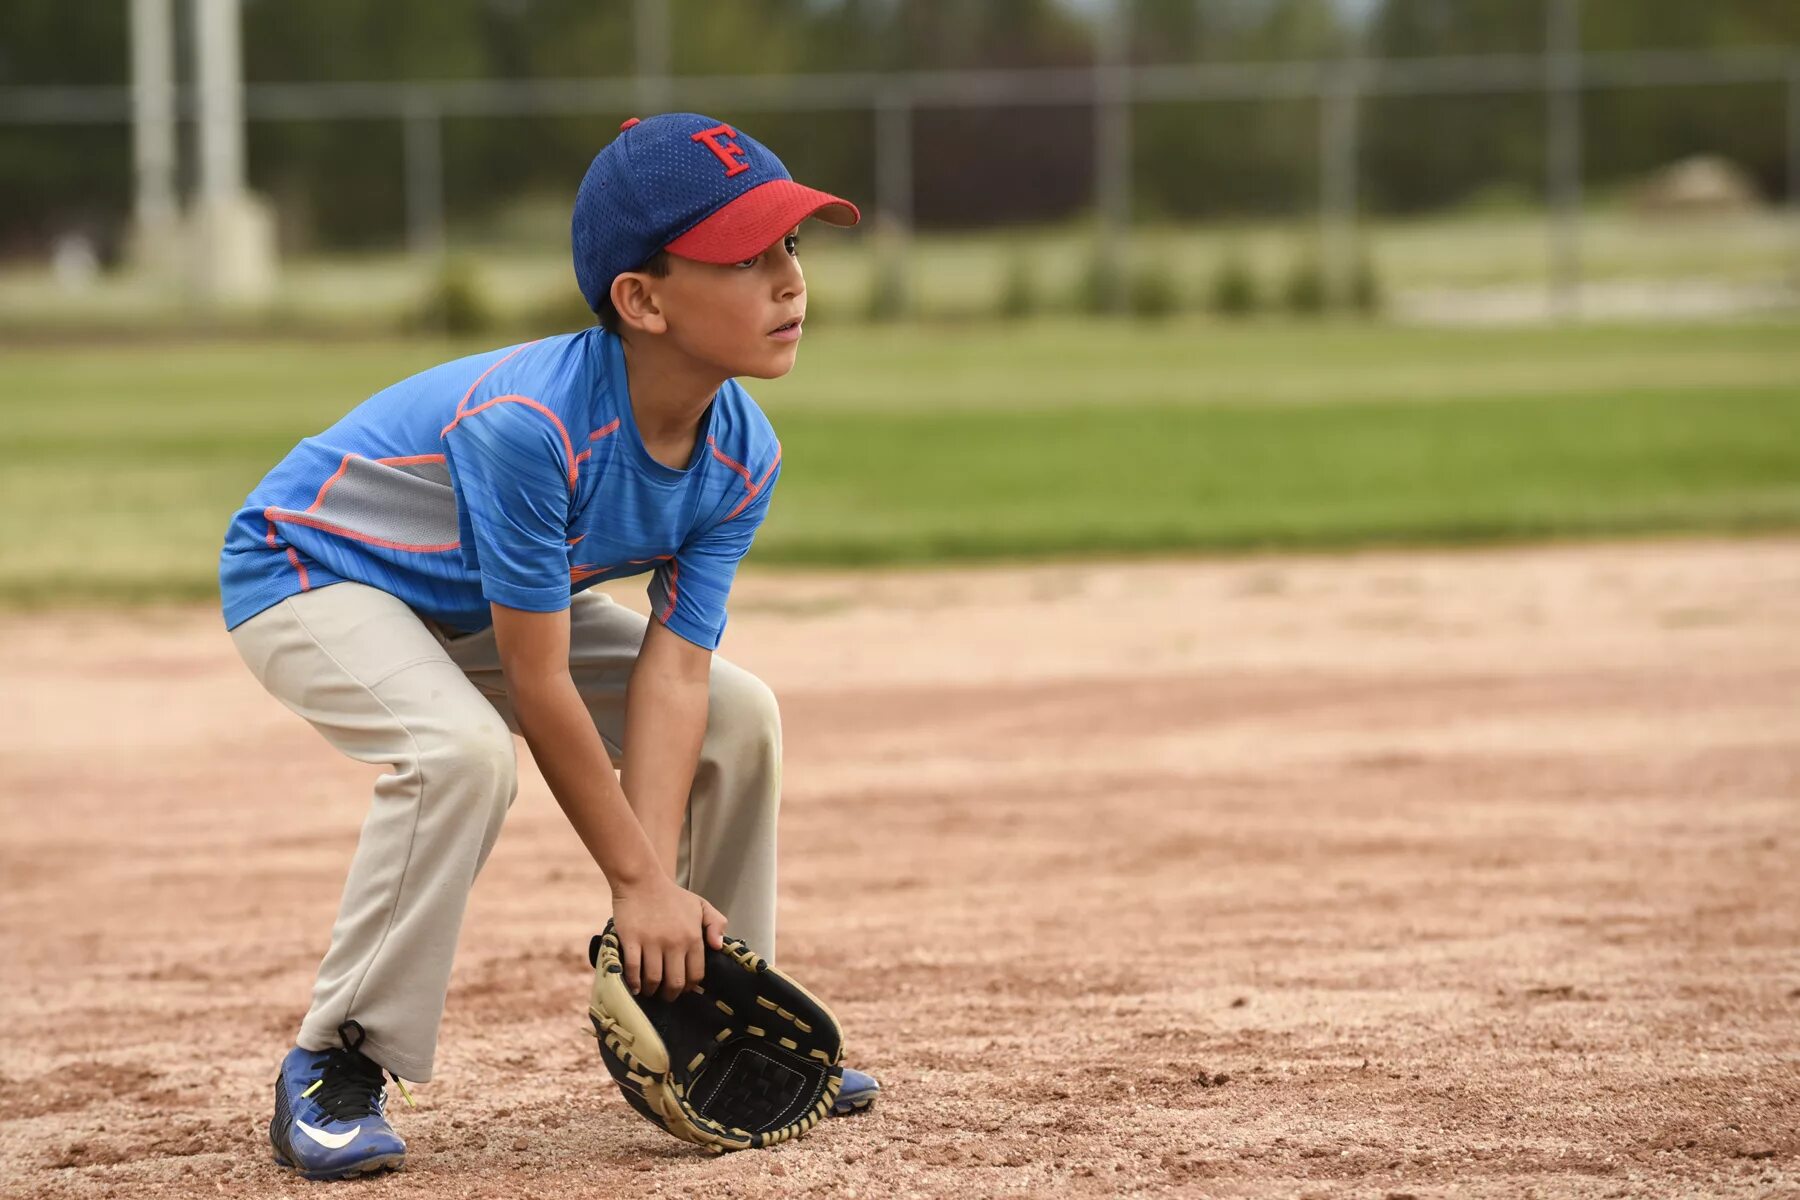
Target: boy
[412, 582]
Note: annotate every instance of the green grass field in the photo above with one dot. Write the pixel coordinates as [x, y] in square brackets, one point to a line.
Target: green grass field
[120, 465]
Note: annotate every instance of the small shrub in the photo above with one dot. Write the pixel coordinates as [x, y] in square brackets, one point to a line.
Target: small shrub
[1152, 292]
[1303, 292]
[1234, 292]
[1365, 287]
[1097, 282]
[456, 303]
[1018, 289]
[887, 297]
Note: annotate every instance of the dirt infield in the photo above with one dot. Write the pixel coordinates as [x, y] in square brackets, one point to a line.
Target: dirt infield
[1396, 874]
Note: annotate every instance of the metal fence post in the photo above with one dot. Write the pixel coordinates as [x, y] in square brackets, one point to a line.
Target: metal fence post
[1338, 132]
[1562, 153]
[234, 255]
[1793, 161]
[650, 54]
[893, 200]
[424, 155]
[1112, 153]
[153, 130]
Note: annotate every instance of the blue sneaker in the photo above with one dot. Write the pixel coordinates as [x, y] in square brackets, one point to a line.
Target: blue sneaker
[329, 1121]
[858, 1093]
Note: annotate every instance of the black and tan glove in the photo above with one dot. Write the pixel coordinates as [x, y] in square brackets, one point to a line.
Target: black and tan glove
[749, 1060]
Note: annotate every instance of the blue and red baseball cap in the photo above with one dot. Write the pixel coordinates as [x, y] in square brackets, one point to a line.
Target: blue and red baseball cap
[693, 186]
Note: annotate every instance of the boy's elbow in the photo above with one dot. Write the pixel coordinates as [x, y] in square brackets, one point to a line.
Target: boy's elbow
[674, 658]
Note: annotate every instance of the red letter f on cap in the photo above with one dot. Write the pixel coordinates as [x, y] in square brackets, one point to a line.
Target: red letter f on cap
[725, 152]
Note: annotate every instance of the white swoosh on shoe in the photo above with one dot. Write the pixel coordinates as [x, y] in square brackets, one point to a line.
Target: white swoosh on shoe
[331, 1141]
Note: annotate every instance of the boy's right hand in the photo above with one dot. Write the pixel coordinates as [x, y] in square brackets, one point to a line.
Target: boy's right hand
[664, 930]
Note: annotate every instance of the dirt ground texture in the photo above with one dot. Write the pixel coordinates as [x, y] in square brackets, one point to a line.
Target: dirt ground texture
[1392, 874]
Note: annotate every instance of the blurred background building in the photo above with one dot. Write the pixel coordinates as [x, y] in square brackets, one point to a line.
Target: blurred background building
[410, 163]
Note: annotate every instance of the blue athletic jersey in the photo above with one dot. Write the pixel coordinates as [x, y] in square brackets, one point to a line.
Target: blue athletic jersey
[515, 476]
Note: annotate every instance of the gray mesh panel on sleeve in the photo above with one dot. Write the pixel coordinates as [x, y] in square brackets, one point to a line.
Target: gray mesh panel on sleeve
[406, 504]
[659, 593]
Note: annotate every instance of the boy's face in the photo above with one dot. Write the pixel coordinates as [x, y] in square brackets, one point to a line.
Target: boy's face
[728, 316]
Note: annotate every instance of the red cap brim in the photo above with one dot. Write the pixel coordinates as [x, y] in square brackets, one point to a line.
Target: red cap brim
[757, 219]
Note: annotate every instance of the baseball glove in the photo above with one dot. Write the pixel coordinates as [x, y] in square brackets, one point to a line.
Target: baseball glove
[750, 1060]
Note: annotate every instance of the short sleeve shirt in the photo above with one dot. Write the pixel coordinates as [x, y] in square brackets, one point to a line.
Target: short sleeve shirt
[515, 477]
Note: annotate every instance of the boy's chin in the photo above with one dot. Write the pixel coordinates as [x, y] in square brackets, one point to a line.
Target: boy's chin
[773, 367]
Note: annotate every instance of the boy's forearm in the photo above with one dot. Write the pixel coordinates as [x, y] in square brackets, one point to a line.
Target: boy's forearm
[568, 750]
[665, 724]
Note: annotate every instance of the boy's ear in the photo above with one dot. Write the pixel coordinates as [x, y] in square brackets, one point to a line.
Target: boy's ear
[634, 296]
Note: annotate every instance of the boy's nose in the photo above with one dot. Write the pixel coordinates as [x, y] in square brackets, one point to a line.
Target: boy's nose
[791, 282]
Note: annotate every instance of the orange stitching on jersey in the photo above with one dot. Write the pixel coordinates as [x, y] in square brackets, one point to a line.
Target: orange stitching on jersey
[595, 436]
[756, 487]
[305, 584]
[772, 467]
[490, 371]
[730, 462]
[581, 571]
[568, 446]
[326, 486]
[299, 567]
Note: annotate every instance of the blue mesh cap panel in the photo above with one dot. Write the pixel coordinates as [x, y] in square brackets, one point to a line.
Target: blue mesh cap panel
[658, 179]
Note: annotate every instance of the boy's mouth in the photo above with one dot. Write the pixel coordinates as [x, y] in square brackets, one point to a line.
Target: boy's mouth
[788, 331]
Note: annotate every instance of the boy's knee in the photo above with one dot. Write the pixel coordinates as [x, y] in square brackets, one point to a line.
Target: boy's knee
[742, 711]
[479, 757]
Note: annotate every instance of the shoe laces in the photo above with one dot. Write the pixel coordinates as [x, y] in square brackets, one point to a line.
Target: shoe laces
[351, 1084]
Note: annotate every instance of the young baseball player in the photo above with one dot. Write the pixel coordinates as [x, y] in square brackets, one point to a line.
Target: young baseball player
[414, 582]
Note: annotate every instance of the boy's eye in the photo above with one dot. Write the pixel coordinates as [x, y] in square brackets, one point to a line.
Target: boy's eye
[790, 243]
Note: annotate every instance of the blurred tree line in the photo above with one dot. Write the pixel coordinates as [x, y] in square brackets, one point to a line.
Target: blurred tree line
[339, 182]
